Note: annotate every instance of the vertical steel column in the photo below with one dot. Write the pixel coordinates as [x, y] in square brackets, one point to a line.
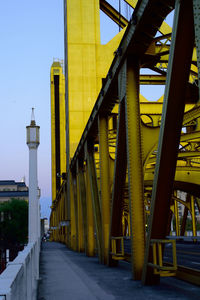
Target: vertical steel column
[82, 190]
[194, 227]
[104, 183]
[80, 215]
[135, 167]
[73, 219]
[90, 218]
[119, 178]
[173, 109]
[74, 187]
[95, 196]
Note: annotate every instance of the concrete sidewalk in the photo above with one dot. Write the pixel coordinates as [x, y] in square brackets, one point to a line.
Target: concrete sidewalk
[65, 274]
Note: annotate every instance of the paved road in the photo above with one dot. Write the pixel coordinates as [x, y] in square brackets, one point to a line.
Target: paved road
[188, 254]
[70, 275]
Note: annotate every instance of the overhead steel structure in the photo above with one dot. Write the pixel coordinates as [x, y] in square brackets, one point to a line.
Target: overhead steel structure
[130, 163]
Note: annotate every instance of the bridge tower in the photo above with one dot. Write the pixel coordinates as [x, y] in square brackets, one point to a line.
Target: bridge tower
[86, 64]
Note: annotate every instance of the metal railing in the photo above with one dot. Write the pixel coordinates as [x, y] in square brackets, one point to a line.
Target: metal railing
[158, 264]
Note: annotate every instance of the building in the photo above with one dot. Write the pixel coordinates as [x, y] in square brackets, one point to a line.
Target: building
[11, 189]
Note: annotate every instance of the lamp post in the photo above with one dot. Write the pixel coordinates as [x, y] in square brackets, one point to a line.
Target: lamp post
[33, 141]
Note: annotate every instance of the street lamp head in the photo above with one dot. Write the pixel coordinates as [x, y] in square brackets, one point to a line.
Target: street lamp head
[33, 133]
[33, 117]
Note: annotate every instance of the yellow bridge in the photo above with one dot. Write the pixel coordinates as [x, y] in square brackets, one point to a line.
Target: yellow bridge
[125, 168]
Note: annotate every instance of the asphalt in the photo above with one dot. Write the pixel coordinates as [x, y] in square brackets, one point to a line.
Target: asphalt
[65, 274]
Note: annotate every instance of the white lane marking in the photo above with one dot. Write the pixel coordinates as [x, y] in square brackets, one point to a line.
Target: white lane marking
[195, 263]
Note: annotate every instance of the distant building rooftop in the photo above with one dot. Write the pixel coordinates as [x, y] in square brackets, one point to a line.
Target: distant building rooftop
[11, 182]
[12, 189]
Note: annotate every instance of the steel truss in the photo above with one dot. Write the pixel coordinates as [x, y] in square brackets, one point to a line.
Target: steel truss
[135, 156]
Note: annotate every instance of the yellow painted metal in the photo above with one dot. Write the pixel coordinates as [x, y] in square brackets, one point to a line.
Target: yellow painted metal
[135, 168]
[112, 13]
[158, 265]
[72, 214]
[89, 153]
[56, 70]
[87, 63]
[117, 255]
[183, 174]
[81, 245]
[164, 29]
[81, 182]
[160, 254]
[117, 223]
[152, 79]
[90, 219]
[75, 214]
[194, 227]
[154, 254]
[83, 35]
[105, 194]
[170, 127]
[196, 12]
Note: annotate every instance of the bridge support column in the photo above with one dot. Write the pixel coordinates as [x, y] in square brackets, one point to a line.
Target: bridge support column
[90, 220]
[104, 184]
[73, 215]
[75, 198]
[89, 150]
[194, 226]
[83, 200]
[119, 180]
[80, 209]
[135, 167]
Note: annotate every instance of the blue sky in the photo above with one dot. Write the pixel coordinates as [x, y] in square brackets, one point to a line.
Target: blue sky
[32, 34]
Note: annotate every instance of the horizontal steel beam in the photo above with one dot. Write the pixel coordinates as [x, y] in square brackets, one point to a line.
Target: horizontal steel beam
[152, 79]
[113, 14]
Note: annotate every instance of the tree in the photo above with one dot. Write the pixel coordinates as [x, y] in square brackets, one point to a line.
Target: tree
[14, 222]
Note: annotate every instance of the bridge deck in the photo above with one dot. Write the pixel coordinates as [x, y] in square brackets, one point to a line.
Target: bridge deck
[65, 274]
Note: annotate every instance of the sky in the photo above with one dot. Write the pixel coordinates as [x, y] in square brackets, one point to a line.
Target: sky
[32, 35]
